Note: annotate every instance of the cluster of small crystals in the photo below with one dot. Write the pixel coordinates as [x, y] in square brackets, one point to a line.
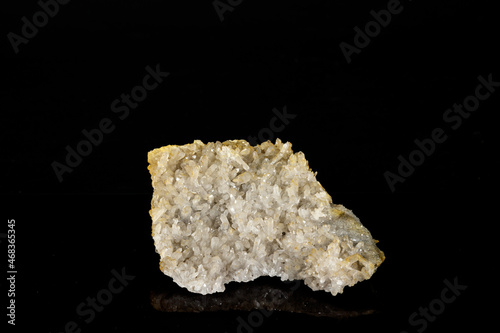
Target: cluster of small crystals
[229, 211]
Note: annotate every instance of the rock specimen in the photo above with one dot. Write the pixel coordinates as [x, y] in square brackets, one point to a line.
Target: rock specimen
[230, 211]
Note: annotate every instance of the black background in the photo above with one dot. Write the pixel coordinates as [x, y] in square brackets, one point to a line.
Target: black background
[352, 121]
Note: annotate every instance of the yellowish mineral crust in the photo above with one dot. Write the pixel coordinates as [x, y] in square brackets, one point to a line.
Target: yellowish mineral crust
[229, 211]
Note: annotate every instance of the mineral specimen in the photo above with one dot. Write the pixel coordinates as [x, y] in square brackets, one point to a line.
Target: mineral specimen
[229, 211]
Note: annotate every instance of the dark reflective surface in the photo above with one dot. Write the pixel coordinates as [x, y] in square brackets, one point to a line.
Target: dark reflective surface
[269, 294]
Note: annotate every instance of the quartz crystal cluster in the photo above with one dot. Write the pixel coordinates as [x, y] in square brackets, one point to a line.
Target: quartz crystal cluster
[229, 211]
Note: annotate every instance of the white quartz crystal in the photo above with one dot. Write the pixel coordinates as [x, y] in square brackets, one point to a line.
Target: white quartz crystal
[229, 211]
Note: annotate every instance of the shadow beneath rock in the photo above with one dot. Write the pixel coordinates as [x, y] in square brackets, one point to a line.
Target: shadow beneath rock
[268, 294]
